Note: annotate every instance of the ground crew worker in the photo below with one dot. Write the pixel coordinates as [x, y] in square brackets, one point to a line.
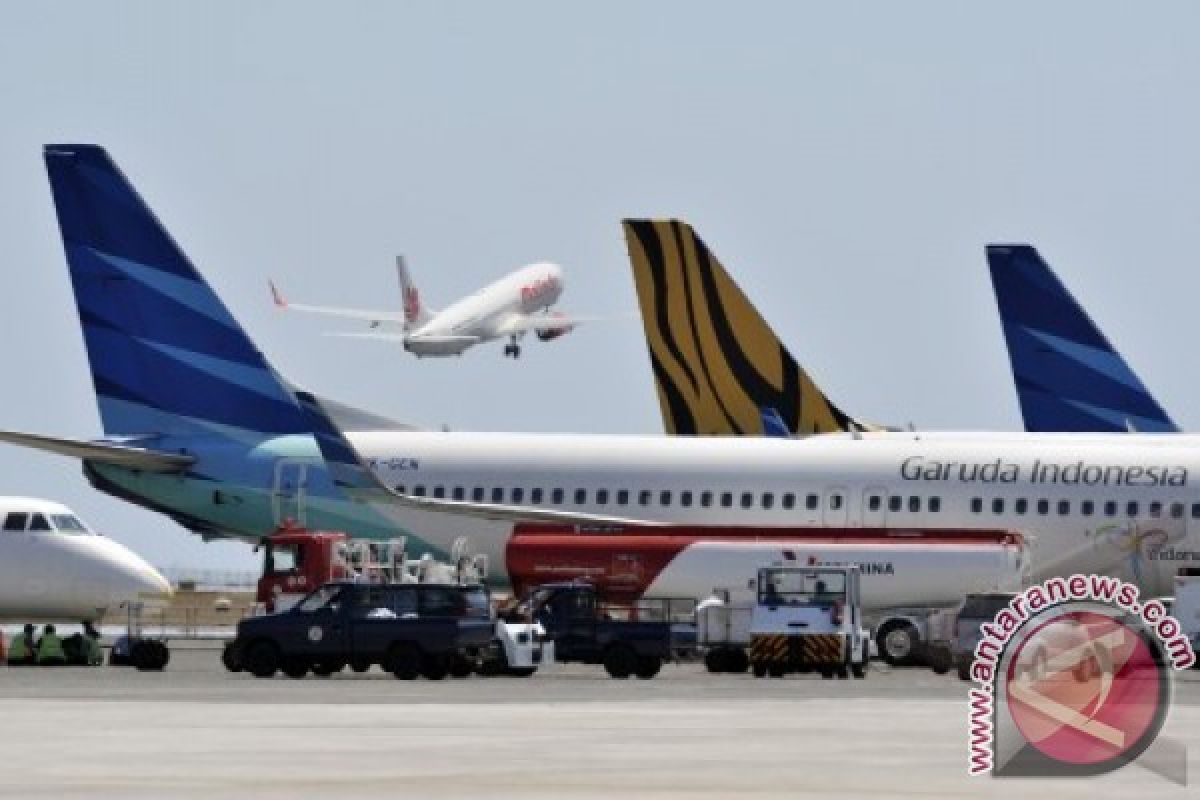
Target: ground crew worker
[92, 653]
[22, 649]
[50, 651]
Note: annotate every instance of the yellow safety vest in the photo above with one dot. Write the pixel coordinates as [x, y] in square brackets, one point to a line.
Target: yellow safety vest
[20, 649]
[50, 649]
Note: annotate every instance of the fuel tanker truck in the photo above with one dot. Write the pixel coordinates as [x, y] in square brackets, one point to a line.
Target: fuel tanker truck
[910, 578]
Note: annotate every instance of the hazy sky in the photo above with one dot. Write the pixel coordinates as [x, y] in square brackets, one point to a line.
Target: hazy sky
[847, 162]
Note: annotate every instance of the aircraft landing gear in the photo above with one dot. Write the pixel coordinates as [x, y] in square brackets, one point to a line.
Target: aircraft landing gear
[512, 348]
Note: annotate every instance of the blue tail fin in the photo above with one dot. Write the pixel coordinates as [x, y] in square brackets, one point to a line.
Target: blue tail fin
[1068, 376]
[773, 424]
[166, 355]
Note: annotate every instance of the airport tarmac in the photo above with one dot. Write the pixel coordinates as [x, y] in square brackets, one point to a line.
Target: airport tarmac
[196, 730]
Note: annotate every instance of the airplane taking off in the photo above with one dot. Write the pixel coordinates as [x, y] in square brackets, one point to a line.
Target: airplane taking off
[1068, 376]
[53, 567]
[718, 366]
[201, 428]
[509, 307]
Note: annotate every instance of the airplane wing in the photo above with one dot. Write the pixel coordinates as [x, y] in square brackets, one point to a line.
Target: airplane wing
[359, 481]
[119, 455]
[523, 323]
[367, 315]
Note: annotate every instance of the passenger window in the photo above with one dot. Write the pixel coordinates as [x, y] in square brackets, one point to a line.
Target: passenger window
[1110, 508]
[768, 500]
[1131, 508]
[1087, 507]
[644, 497]
[1064, 507]
[664, 498]
[747, 499]
[38, 522]
[518, 496]
[874, 502]
[835, 502]
[18, 520]
[685, 499]
[497, 495]
[556, 497]
[789, 501]
[404, 602]
[535, 497]
[1043, 506]
[1156, 509]
[914, 504]
[439, 492]
[895, 502]
[440, 602]
[1195, 510]
[459, 493]
[706, 499]
[935, 504]
[477, 494]
[726, 499]
[1176, 510]
[419, 491]
[810, 502]
[601, 497]
[976, 504]
[400, 488]
[997, 505]
[623, 497]
[580, 496]
[1021, 505]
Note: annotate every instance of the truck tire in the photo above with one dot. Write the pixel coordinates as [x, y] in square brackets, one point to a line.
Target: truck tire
[648, 667]
[360, 665]
[760, 669]
[403, 660]
[898, 642]
[262, 659]
[435, 668]
[295, 668]
[230, 658]
[714, 660]
[738, 661]
[520, 672]
[619, 661]
[461, 667]
[964, 669]
[776, 669]
[940, 660]
[149, 655]
[859, 669]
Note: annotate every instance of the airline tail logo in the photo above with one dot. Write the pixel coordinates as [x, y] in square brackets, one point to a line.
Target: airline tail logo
[412, 304]
[716, 361]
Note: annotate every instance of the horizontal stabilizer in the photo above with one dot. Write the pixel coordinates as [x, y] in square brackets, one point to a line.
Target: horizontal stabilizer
[367, 315]
[118, 455]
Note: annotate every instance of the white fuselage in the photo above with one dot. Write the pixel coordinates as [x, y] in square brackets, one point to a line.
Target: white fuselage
[489, 313]
[1122, 504]
[52, 567]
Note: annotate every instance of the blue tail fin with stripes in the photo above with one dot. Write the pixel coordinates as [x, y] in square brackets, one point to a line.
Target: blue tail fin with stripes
[167, 358]
[1068, 376]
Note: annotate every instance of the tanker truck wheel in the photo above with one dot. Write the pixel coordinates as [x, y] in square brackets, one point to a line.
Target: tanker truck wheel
[897, 642]
[261, 660]
[619, 662]
[648, 667]
[229, 658]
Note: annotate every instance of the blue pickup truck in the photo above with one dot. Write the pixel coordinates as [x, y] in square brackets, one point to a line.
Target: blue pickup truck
[432, 630]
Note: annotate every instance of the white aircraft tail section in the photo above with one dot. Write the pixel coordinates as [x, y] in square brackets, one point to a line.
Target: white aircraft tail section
[415, 313]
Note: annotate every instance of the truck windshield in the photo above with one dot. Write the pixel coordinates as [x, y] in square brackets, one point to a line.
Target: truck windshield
[791, 587]
[325, 597]
[478, 603]
[984, 606]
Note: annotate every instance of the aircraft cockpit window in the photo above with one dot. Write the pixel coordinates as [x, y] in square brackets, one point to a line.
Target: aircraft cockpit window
[68, 523]
[16, 521]
[39, 523]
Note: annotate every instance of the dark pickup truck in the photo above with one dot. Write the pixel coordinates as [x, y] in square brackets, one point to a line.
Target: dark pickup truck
[583, 630]
[408, 629]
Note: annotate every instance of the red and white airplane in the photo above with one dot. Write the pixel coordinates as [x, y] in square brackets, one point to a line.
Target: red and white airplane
[509, 307]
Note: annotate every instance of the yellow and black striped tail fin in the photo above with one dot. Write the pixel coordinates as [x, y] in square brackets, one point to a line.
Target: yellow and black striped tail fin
[717, 363]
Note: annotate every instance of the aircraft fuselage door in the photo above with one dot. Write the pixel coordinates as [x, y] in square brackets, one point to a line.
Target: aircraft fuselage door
[290, 491]
[836, 513]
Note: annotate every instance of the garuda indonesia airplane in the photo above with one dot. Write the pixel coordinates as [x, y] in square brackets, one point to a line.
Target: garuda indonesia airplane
[198, 426]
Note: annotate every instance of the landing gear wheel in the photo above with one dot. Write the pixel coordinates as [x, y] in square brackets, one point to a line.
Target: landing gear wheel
[295, 668]
[648, 667]
[262, 660]
[897, 642]
[620, 662]
[403, 661]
